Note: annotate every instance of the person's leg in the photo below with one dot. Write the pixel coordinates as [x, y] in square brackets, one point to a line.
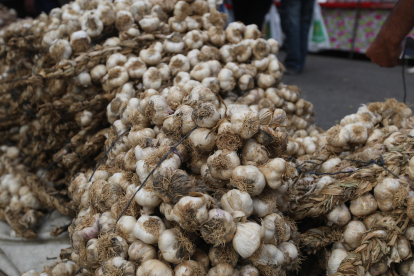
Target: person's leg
[290, 13]
[240, 8]
[257, 12]
[306, 20]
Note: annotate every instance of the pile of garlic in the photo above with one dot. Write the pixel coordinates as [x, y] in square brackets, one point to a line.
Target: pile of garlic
[18, 205]
[88, 53]
[368, 206]
[7, 16]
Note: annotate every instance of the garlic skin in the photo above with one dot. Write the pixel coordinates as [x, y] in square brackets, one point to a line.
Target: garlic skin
[148, 229]
[147, 198]
[223, 269]
[179, 63]
[237, 201]
[249, 270]
[247, 238]
[154, 268]
[358, 133]
[222, 163]
[289, 251]
[234, 32]
[335, 260]
[337, 136]
[353, 233]
[273, 172]
[384, 193]
[339, 215]
[363, 205]
[248, 179]
[139, 252]
[206, 115]
[60, 50]
[226, 79]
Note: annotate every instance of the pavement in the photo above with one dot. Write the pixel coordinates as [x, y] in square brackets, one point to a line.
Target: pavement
[338, 86]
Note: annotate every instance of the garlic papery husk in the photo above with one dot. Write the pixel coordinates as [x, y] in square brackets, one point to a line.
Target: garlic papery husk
[148, 229]
[339, 215]
[358, 134]
[236, 200]
[140, 252]
[223, 269]
[353, 233]
[254, 153]
[222, 163]
[154, 268]
[110, 245]
[247, 238]
[248, 179]
[219, 227]
[171, 184]
[206, 115]
[63, 268]
[191, 211]
[223, 254]
[335, 260]
[268, 255]
[395, 139]
[245, 123]
[273, 172]
[386, 193]
[277, 230]
[337, 136]
[189, 268]
[125, 225]
[118, 265]
[363, 205]
[175, 246]
[249, 270]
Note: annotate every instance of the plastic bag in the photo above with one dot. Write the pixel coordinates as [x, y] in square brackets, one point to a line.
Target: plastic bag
[318, 36]
[272, 25]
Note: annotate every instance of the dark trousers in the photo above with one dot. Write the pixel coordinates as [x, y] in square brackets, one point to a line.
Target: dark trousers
[251, 11]
[296, 17]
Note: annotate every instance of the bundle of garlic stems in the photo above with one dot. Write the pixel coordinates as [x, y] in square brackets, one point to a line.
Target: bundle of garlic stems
[120, 84]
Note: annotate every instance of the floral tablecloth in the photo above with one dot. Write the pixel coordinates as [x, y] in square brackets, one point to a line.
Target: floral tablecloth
[340, 23]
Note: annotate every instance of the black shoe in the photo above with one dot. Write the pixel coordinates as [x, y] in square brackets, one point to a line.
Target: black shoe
[291, 72]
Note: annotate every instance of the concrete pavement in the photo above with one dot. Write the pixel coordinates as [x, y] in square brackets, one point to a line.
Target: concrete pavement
[338, 86]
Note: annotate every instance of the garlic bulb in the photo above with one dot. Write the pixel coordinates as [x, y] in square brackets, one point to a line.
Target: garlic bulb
[249, 270]
[154, 268]
[273, 172]
[339, 215]
[237, 201]
[147, 199]
[248, 179]
[206, 115]
[202, 258]
[335, 260]
[222, 163]
[353, 233]
[174, 246]
[384, 193]
[140, 252]
[189, 268]
[328, 165]
[191, 212]
[247, 238]
[268, 255]
[245, 123]
[148, 229]
[276, 229]
[223, 269]
[126, 224]
[219, 227]
[337, 136]
[363, 205]
[254, 153]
